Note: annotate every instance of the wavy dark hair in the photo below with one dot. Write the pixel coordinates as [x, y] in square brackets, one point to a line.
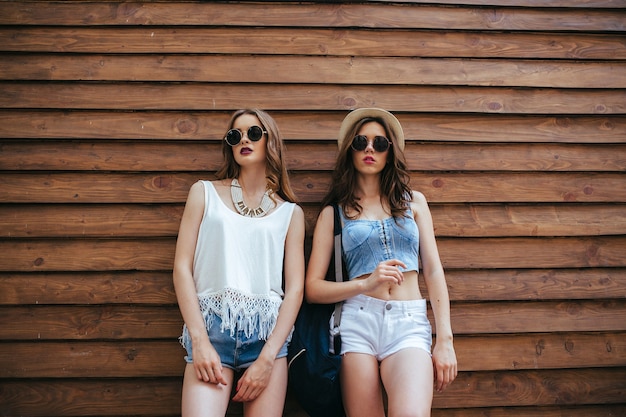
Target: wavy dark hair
[276, 173]
[394, 178]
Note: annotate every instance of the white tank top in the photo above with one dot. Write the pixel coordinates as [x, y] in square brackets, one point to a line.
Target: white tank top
[238, 264]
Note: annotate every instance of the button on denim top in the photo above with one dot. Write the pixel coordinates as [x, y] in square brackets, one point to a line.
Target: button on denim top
[366, 243]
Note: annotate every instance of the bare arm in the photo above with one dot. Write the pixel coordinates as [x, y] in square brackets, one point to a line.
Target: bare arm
[444, 357]
[205, 359]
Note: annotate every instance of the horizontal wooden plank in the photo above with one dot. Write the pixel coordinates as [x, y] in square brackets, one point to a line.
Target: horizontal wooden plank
[94, 322]
[118, 322]
[534, 284]
[192, 96]
[207, 126]
[118, 287]
[310, 41]
[534, 388]
[89, 255]
[314, 41]
[513, 157]
[372, 15]
[94, 220]
[540, 351]
[483, 220]
[92, 397]
[563, 252]
[526, 3]
[538, 316]
[160, 358]
[298, 69]
[60, 187]
[426, 156]
[598, 410]
[119, 359]
[158, 254]
[520, 187]
[310, 187]
[147, 396]
[460, 220]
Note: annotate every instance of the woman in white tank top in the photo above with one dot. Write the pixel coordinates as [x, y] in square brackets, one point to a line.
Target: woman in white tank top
[239, 237]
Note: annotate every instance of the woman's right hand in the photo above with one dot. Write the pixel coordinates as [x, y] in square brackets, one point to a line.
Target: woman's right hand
[207, 363]
[386, 273]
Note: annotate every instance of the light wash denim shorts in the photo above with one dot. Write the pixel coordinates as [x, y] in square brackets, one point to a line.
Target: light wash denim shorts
[381, 328]
[237, 351]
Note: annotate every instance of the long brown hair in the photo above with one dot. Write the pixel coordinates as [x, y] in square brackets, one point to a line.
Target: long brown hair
[276, 173]
[394, 178]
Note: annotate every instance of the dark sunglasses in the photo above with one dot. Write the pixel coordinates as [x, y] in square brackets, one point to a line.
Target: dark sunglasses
[380, 143]
[234, 136]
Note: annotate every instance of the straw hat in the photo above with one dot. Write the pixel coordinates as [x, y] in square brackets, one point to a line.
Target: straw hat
[354, 116]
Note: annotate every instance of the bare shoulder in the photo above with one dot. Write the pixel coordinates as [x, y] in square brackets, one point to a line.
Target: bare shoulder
[298, 212]
[419, 204]
[197, 188]
[419, 198]
[327, 214]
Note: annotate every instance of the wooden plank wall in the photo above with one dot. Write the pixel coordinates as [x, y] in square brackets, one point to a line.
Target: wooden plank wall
[515, 114]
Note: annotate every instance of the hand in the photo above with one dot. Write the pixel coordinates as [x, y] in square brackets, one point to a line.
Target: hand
[444, 364]
[207, 363]
[254, 380]
[386, 272]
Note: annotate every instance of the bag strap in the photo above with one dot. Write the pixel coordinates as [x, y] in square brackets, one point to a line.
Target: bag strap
[338, 266]
[337, 234]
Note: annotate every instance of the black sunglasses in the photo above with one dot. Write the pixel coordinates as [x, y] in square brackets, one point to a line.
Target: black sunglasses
[234, 136]
[380, 143]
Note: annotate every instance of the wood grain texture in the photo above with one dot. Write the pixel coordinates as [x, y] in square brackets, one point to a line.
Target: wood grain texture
[158, 253]
[374, 15]
[310, 187]
[313, 156]
[190, 96]
[450, 220]
[209, 126]
[146, 396]
[514, 114]
[297, 69]
[159, 358]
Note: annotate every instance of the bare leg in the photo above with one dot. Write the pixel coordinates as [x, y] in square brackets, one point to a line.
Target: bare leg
[201, 399]
[271, 402]
[361, 387]
[408, 379]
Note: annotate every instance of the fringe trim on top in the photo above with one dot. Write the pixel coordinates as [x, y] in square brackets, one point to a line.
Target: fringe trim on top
[240, 311]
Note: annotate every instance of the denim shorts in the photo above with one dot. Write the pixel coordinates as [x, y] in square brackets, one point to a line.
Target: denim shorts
[237, 351]
[381, 328]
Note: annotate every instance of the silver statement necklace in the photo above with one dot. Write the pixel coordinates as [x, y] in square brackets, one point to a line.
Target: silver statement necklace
[236, 194]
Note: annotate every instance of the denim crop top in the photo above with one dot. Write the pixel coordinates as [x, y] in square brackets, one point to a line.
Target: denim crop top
[366, 243]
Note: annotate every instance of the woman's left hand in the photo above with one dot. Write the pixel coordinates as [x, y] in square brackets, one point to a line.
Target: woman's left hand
[444, 364]
[254, 380]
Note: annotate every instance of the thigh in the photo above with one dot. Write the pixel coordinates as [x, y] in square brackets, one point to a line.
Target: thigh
[407, 376]
[203, 399]
[271, 402]
[361, 387]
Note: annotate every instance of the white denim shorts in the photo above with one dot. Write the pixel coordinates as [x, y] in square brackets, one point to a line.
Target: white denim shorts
[381, 328]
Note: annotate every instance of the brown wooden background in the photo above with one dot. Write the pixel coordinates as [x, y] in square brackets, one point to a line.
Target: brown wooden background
[515, 114]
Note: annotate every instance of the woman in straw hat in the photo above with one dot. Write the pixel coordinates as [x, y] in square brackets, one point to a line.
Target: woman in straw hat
[385, 332]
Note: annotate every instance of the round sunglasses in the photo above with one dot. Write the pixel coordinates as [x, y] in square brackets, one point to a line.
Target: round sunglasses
[380, 143]
[234, 136]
